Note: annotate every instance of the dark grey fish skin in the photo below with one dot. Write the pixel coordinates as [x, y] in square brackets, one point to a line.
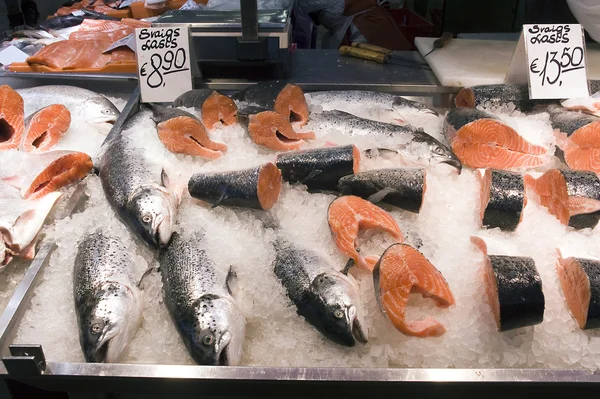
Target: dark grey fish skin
[403, 188]
[497, 95]
[569, 122]
[234, 188]
[193, 98]
[64, 21]
[584, 185]
[414, 146]
[507, 199]
[162, 114]
[197, 296]
[520, 292]
[319, 169]
[262, 94]
[108, 303]
[326, 298]
[135, 187]
[591, 268]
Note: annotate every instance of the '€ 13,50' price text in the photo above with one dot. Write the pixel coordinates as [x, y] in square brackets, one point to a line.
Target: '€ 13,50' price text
[161, 65]
[554, 64]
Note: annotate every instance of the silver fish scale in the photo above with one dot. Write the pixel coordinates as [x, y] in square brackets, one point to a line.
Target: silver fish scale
[297, 268]
[124, 168]
[355, 126]
[188, 273]
[354, 97]
[101, 259]
[71, 97]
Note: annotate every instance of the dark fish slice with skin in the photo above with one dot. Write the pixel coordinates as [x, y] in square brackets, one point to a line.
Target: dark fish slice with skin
[198, 296]
[61, 22]
[497, 95]
[503, 199]
[580, 282]
[319, 169]
[414, 146]
[108, 303]
[514, 289]
[569, 122]
[263, 95]
[326, 298]
[583, 187]
[193, 98]
[256, 188]
[403, 188]
[457, 118]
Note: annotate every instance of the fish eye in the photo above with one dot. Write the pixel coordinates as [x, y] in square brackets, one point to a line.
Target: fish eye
[208, 340]
[146, 218]
[96, 328]
[338, 314]
[106, 111]
[439, 151]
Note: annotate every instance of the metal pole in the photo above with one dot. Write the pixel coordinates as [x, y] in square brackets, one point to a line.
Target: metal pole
[249, 9]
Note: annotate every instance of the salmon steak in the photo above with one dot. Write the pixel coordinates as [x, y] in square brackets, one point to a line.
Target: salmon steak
[285, 98]
[403, 270]
[79, 54]
[578, 137]
[214, 106]
[12, 118]
[272, 130]
[45, 128]
[480, 140]
[349, 214]
[497, 95]
[184, 135]
[256, 188]
[513, 287]
[54, 170]
[551, 188]
[319, 169]
[572, 196]
[580, 282]
[502, 199]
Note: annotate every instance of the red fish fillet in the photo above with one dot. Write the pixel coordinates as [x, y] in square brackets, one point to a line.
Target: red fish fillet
[54, 170]
[576, 288]
[272, 130]
[292, 103]
[488, 143]
[12, 123]
[75, 54]
[582, 148]
[185, 135]
[551, 187]
[347, 215]
[45, 128]
[401, 271]
[218, 108]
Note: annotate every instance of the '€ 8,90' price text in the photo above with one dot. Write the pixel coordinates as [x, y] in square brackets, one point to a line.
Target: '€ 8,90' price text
[160, 65]
[553, 64]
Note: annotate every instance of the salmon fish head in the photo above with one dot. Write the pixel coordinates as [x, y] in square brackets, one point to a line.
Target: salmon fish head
[437, 153]
[152, 212]
[100, 113]
[338, 309]
[217, 331]
[110, 318]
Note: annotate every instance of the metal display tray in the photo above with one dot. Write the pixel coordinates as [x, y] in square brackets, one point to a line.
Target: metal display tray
[25, 365]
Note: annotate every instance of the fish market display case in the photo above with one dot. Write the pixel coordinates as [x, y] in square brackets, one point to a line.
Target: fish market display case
[26, 365]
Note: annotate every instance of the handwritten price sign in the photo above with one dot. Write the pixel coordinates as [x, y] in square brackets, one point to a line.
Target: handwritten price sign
[163, 59]
[556, 59]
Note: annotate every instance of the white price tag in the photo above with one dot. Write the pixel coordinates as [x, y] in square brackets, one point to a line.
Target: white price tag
[127, 41]
[12, 54]
[78, 13]
[163, 57]
[556, 61]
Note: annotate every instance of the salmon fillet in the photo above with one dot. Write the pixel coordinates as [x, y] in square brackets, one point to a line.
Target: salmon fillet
[77, 54]
[551, 188]
[185, 135]
[45, 128]
[12, 119]
[347, 215]
[292, 103]
[218, 108]
[401, 271]
[272, 130]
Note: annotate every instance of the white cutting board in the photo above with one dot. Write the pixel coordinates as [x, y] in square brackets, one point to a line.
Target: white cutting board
[470, 62]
